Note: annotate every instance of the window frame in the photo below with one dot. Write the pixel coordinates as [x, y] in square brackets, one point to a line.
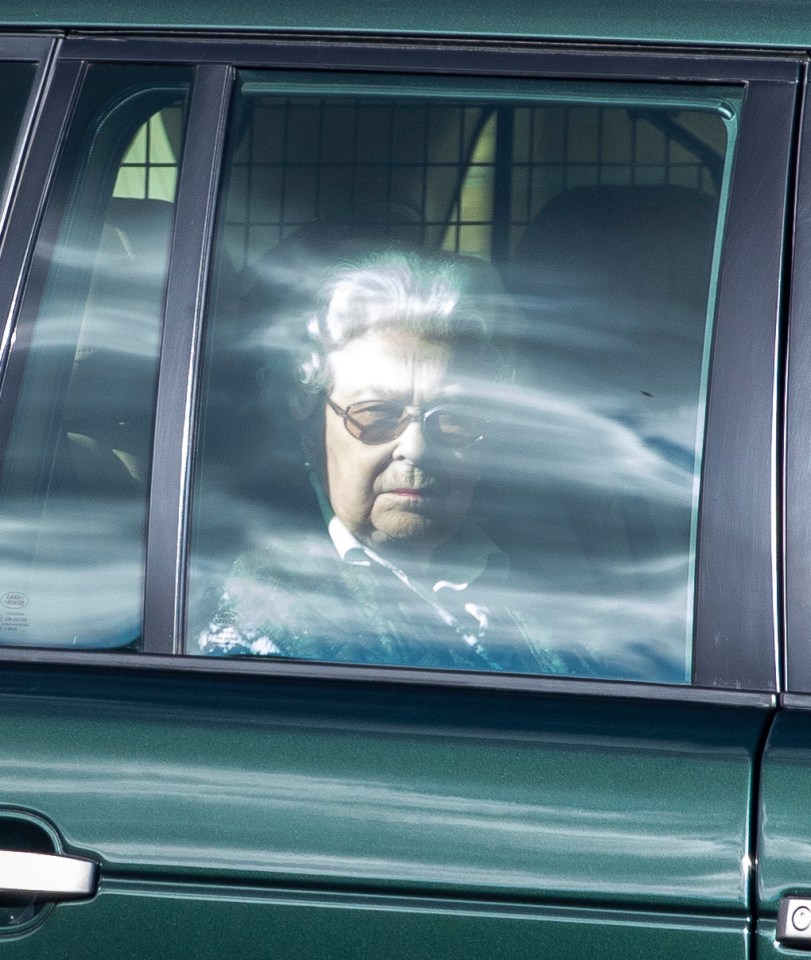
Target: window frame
[32, 49]
[38, 50]
[738, 588]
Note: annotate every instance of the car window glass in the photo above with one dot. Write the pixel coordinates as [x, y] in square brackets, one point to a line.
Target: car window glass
[455, 366]
[17, 80]
[81, 379]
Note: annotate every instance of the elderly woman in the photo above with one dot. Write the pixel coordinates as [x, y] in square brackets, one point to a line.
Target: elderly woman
[390, 400]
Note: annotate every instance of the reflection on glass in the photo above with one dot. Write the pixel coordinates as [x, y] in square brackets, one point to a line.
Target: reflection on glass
[426, 450]
[390, 408]
[81, 382]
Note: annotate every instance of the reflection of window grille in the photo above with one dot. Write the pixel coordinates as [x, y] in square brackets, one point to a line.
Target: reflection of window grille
[464, 178]
[470, 227]
[148, 169]
[373, 164]
[555, 148]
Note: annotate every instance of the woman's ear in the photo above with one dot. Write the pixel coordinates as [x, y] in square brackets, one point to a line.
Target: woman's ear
[307, 411]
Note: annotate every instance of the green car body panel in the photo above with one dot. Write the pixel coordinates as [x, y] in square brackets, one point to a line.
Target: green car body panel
[731, 23]
[422, 820]
[785, 815]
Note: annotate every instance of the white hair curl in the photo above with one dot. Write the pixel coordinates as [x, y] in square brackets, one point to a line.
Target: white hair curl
[453, 300]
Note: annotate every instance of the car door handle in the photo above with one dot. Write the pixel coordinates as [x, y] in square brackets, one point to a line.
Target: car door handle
[794, 922]
[46, 876]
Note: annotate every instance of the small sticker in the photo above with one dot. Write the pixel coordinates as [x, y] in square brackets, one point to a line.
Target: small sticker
[12, 622]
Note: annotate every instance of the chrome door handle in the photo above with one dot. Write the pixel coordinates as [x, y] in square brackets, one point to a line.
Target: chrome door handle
[46, 876]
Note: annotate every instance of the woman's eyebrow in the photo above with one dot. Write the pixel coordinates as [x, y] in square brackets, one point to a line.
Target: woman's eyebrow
[381, 392]
[385, 392]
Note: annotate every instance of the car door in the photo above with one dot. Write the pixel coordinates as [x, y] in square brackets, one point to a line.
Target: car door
[629, 213]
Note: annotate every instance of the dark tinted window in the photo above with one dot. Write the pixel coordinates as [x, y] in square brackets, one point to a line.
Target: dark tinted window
[17, 79]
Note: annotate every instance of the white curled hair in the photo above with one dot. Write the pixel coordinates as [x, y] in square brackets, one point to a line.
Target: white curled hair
[450, 300]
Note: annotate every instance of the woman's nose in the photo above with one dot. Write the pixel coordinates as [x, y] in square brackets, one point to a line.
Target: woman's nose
[411, 444]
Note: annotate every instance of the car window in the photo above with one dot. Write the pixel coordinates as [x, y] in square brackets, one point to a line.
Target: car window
[17, 80]
[82, 372]
[455, 373]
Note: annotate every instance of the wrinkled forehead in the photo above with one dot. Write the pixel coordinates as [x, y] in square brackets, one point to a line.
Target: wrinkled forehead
[396, 363]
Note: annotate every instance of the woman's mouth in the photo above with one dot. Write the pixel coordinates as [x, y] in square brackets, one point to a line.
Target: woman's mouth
[411, 492]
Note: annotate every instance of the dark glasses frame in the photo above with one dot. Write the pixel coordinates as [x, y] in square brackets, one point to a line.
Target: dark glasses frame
[375, 435]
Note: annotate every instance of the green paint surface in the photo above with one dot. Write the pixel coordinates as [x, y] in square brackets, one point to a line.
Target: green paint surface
[640, 805]
[757, 23]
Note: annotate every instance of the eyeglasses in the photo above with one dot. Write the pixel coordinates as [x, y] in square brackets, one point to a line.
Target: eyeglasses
[380, 421]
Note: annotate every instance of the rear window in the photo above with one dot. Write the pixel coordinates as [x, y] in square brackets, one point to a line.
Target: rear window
[455, 374]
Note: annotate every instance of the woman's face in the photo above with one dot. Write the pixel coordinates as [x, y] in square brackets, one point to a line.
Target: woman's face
[411, 493]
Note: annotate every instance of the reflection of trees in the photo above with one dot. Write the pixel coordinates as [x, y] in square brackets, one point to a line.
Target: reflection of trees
[596, 521]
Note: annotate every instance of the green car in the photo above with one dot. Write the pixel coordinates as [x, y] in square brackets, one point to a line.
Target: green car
[405, 462]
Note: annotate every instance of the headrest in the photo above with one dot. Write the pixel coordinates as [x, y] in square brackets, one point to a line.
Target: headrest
[644, 242]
